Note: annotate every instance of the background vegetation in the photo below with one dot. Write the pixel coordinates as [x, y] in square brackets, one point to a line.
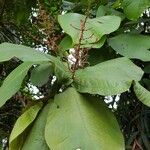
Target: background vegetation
[35, 24]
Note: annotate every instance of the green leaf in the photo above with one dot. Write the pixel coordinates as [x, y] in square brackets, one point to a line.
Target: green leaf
[77, 121]
[13, 82]
[142, 94]
[97, 44]
[99, 55]
[108, 10]
[104, 25]
[132, 46]
[24, 53]
[65, 44]
[72, 27]
[147, 69]
[134, 8]
[61, 70]
[94, 28]
[146, 83]
[40, 74]
[17, 143]
[27, 54]
[21, 125]
[35, 139]
[107, 78]
[101, 11]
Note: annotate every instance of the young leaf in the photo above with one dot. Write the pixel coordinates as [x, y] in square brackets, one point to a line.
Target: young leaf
[35, 139]
[134, 8]
[77, 121]
[22, 124]
[24, 53]
[107, 78]
[13, 82]
[142, 94]
[132, 46]
[40, 74]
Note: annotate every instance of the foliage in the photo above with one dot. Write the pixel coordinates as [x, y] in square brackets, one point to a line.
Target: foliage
[110, 57]
[92, 128]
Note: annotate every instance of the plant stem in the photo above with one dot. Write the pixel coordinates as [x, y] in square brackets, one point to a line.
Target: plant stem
[78, 47]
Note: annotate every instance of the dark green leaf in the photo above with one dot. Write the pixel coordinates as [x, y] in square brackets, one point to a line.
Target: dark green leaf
[147, 69]
[146, 83]
[40, 74]
[99, 55]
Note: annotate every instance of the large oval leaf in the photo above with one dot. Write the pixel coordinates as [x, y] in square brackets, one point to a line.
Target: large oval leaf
[82, 122]
[13, 82]
[134, 8]
[142, 94]
[107, 78]
[94, 28]
[132, 46]
[21, 125]
[35, 139]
